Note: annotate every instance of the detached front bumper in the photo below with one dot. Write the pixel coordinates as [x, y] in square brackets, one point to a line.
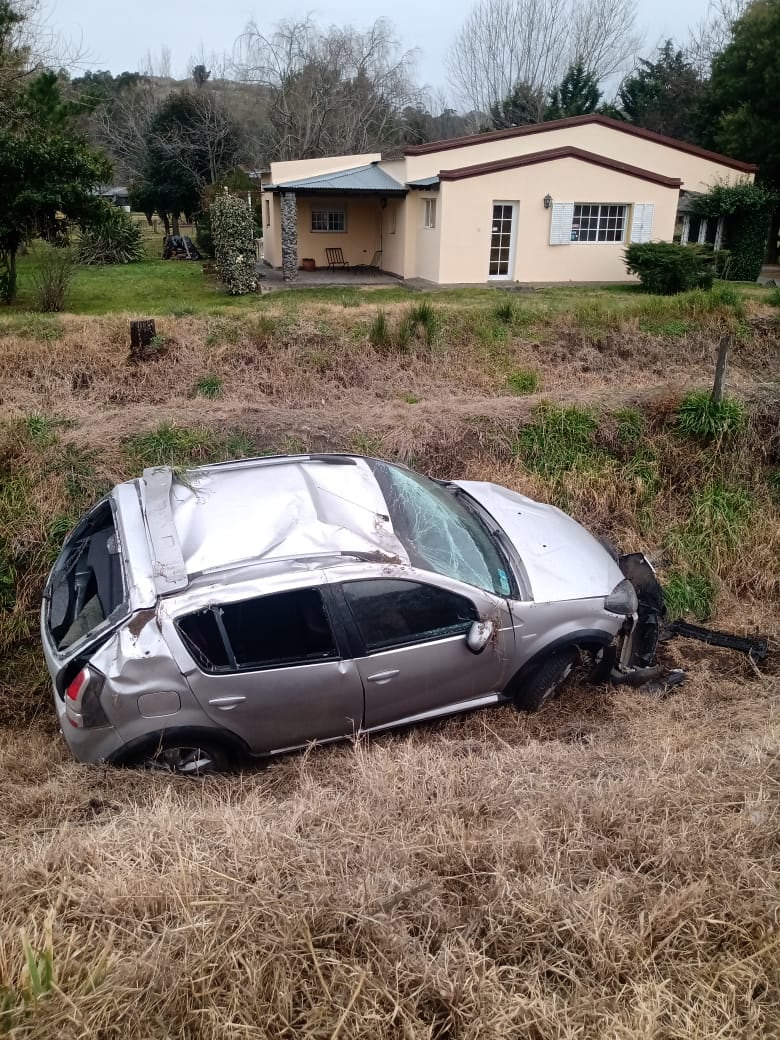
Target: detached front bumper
[632, 658]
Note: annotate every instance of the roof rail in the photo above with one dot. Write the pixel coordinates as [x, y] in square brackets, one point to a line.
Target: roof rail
[169, 571]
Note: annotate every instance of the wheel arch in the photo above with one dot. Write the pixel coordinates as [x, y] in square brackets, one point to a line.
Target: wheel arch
[584, 639]
[137, 747]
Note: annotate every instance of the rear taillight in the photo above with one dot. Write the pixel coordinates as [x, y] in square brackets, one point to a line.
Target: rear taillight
[82, 700]
[77, 685]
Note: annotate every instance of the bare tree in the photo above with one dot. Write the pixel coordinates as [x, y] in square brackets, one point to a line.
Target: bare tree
[122, 127]
[327, 91]
[711, 35]
[505, 42]
[604, 36]
[158, 67]
[198, 136]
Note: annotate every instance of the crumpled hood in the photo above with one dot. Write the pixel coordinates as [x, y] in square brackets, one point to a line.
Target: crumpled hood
[562, 559]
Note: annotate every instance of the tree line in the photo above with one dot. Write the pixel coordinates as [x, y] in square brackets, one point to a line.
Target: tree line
[300, 90]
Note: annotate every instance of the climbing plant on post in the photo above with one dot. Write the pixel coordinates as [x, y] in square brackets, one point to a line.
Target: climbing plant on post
[232, 229]
[747, 209]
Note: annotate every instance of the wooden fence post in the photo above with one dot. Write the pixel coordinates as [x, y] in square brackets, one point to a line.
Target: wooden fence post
[720, 368]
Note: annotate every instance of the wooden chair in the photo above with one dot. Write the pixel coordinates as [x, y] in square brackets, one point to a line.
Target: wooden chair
[335, 258]
[375, 267]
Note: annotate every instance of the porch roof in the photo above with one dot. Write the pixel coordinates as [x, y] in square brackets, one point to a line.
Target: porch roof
[431, 183]
[358, 180]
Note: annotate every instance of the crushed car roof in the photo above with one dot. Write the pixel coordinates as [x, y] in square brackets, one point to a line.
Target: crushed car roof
[264, 509]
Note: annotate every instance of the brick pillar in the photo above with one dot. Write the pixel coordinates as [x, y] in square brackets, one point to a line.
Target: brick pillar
[289, 236]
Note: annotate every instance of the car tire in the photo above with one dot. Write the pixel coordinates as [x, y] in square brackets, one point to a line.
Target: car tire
[541, 684]
[182, 757]
[606, 544]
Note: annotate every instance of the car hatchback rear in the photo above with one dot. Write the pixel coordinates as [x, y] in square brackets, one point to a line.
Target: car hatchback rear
[86, 598]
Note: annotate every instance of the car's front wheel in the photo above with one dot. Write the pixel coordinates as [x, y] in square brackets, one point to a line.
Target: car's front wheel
[540, 685]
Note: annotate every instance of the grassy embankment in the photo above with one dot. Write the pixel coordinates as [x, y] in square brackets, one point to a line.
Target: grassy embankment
[607, 868]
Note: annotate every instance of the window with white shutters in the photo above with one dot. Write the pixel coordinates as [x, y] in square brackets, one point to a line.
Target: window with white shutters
[560, 223]
[642, 221]
[598, 222]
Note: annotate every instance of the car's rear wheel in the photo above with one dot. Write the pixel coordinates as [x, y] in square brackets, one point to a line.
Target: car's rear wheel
[185, 758]
[540, 685]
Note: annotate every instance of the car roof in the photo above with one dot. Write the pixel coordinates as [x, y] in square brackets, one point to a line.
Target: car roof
[266, 509]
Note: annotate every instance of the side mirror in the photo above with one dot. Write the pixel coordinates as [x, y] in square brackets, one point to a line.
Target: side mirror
[480, 635]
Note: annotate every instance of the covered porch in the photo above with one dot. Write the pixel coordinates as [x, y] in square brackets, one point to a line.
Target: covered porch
[334, 224]
[272, 278]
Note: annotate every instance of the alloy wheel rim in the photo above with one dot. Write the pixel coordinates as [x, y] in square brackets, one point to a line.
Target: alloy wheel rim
[186, 761]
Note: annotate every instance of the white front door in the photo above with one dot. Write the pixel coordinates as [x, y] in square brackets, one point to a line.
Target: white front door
[502, 240]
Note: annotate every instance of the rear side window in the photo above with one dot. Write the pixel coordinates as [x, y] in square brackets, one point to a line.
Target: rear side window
[390, 612]
[203, 637]
[285, 628]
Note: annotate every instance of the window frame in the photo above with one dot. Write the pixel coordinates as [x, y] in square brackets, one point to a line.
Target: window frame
[362, 649]
[429, 214]
[233, 667]
[624, 216]
[701, 238]
[267, 212]
[328, 212]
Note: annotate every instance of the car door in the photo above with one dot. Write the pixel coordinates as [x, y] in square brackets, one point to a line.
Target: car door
[270, 669]
[413, 657]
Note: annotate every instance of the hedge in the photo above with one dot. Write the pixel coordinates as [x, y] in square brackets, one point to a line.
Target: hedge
[747, 208]
[232, 230]
[667, 268]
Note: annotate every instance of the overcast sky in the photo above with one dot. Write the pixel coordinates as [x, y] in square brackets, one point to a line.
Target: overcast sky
[118, 36]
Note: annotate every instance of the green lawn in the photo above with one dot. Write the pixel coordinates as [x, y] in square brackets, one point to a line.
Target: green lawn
[152, 287]
[157, 287]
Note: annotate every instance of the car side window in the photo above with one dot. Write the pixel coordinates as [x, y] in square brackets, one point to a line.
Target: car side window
[392, 612]
[284, 628]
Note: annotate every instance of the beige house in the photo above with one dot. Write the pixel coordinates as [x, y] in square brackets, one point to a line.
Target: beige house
[550, 202]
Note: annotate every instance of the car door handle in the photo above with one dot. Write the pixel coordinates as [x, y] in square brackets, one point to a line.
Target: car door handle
[226, 703]
[383, 677]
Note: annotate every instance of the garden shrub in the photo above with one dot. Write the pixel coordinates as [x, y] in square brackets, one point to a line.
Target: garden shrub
[232, 229]
[668, 268]
[747, 208]
[111, 237]
[52, 278]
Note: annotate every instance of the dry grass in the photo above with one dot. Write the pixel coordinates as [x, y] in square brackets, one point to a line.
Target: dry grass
[302, 358]
[607, 869]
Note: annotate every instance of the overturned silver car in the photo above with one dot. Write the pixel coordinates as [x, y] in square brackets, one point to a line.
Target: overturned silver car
[248, 608]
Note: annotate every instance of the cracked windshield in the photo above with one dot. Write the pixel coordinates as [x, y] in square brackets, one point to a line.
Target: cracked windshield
[439, 532]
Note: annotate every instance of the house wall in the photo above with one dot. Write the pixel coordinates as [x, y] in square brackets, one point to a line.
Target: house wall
[466, 209]
[358, 243]
[394, 236]
[272, 234]
[423, 258]
[696, 173]
[364, 220]
[297, 169]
